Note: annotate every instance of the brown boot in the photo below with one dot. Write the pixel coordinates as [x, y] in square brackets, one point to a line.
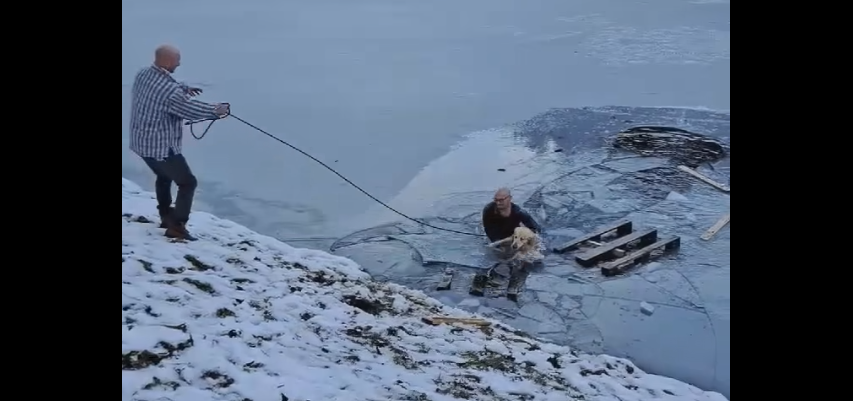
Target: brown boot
[165, 216]
[178, 231]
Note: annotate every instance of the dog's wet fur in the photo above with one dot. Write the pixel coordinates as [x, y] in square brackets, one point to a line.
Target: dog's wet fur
[525, 245]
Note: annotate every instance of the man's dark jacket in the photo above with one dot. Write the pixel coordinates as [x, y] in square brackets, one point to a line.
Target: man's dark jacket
[498, 227]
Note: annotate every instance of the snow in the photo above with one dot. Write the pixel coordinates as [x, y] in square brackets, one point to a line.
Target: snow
[239, 316]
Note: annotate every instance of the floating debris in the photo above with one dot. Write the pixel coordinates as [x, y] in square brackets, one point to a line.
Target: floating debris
[680, 145]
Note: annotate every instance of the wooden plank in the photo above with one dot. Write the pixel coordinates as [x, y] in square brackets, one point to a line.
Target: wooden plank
[620, 266]
[617, 252]
[705, 179]
[622, 228]
[436, 321]
[721, 224]
[591, 257]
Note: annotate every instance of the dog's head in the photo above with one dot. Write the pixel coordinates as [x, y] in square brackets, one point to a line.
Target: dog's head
[524, 239]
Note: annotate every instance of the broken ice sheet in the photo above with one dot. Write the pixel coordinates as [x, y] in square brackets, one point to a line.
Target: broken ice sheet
[676, 197]
[618, 205]
[635, 164]
[647, 308]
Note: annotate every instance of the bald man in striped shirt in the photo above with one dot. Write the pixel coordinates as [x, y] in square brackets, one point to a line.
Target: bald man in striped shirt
[159, 106]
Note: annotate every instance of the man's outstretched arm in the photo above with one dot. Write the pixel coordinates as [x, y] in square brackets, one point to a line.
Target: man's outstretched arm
[183, 106]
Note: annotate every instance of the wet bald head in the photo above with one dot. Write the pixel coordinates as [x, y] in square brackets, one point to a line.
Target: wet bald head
[503, 199]
[167, 57]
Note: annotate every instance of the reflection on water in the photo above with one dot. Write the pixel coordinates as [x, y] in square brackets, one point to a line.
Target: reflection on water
[456, 183]
[572, 184]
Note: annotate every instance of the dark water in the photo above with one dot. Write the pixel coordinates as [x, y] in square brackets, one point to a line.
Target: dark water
[688, 336]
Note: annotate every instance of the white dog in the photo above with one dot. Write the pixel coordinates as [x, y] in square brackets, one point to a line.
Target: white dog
[526, 246]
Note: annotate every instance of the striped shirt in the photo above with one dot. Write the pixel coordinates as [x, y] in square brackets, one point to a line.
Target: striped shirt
[159, 104]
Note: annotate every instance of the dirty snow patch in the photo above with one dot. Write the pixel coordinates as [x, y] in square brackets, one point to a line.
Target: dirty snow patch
[238, 316]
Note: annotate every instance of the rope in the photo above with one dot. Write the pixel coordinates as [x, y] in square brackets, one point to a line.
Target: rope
[306, 154]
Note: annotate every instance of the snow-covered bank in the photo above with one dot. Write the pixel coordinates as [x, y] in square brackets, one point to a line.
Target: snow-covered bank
[239, 316]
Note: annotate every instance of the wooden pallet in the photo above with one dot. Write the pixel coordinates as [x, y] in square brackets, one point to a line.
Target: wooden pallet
[618, 229]
[608, 250]
[617, 247]
[622, 265]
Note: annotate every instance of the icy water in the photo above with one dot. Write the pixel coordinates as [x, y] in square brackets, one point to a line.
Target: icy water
[379, 88]
[404, 97]
[565, 174]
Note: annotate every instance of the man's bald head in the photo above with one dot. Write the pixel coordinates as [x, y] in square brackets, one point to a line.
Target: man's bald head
[167, 57]
[503, 200]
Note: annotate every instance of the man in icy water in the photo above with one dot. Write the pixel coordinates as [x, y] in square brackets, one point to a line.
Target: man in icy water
[502, 217]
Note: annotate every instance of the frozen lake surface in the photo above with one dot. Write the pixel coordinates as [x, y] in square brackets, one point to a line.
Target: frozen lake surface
[564, 174]
[380, 88]
[389, 92]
